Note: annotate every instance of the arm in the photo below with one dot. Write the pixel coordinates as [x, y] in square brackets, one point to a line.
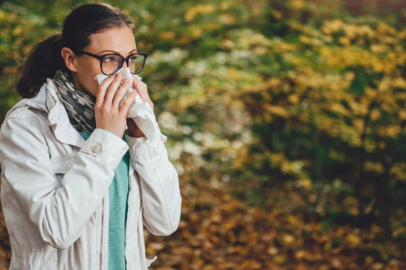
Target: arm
[161, 198]
[59, 210]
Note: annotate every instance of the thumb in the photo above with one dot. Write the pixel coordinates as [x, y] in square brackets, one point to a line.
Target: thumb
[135, 86]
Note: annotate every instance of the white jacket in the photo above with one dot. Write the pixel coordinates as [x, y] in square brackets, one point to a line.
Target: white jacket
[55, 189]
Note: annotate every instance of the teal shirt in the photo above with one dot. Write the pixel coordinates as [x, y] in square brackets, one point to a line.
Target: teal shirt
[118, 194]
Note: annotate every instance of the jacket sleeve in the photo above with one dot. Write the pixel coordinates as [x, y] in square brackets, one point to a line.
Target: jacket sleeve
[160, 192]
[59, 209]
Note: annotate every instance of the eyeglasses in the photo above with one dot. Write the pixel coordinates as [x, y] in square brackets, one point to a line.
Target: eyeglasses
[110, 63]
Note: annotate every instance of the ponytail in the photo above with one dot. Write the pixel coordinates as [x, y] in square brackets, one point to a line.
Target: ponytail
[42, 62]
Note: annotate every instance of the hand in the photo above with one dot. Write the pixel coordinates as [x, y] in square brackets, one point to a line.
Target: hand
[141, 89]
[109, 114]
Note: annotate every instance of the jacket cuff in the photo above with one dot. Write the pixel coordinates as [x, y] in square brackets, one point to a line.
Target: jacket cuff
[102, 140]
[142, 148]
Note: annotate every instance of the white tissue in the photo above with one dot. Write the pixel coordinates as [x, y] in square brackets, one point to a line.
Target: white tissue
[140, 111]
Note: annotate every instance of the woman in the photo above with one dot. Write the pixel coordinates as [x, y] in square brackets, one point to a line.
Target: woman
[77, 186]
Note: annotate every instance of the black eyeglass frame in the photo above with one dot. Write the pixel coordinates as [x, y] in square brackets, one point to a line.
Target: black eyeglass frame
[126, 59]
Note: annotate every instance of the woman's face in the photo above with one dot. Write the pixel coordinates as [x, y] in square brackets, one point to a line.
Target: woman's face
[84, 68]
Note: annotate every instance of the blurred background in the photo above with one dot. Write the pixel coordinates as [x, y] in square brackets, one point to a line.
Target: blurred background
[286, 122]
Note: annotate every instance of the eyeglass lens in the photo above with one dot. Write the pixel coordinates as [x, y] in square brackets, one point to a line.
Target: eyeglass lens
[111, 63]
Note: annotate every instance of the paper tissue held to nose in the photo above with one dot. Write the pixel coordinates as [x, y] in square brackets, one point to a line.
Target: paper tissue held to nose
[140, 111]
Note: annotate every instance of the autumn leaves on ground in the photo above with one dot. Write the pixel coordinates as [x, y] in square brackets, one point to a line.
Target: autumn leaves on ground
[218, 231]
[286, 120]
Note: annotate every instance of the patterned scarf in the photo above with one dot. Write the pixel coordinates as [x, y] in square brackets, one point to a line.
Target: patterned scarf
[78, 104]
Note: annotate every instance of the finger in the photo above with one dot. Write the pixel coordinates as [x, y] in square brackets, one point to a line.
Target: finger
[113, 88]
[136, 86]
[118, 97]
[142, 89]
[127, 102]
[101, 92]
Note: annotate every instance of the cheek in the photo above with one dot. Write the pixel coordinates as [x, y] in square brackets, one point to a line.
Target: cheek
[87, 73]
[93, 86]
[89, 66]
[87, 82]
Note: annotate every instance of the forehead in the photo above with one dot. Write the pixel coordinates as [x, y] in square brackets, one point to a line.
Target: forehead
[120, 39]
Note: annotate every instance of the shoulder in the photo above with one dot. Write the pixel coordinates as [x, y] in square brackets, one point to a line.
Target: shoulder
[31, 117]
[27, 109]
[23, 134]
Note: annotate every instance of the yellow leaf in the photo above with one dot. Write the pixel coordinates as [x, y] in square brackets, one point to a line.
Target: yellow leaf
[224, 6]
[402, 115]
[280, 259]
[374, 166]
[353, 240]
[300, 254]
[293, 98]
[274, 82]
[288, 239]
[393, 131]
[339, 108]
[200, 8]
[272, 251]
[305, 183]
[227, 19]
[375, 114]
[297, 4]
[278, 110]
[18, 30]
[167, 35]
[344, 41]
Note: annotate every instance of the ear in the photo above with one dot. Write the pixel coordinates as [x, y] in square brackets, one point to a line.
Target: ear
[70, 59]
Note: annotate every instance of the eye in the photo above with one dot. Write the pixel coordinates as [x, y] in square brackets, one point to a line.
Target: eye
[109, 59]
[133, 58]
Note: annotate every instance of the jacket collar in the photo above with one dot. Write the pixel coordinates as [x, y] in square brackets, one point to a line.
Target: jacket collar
[48, 101]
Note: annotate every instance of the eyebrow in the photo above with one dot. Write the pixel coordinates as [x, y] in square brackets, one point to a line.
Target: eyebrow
[115, 51]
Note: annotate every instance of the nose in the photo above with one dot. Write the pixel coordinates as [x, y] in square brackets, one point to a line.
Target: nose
[125, 64]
